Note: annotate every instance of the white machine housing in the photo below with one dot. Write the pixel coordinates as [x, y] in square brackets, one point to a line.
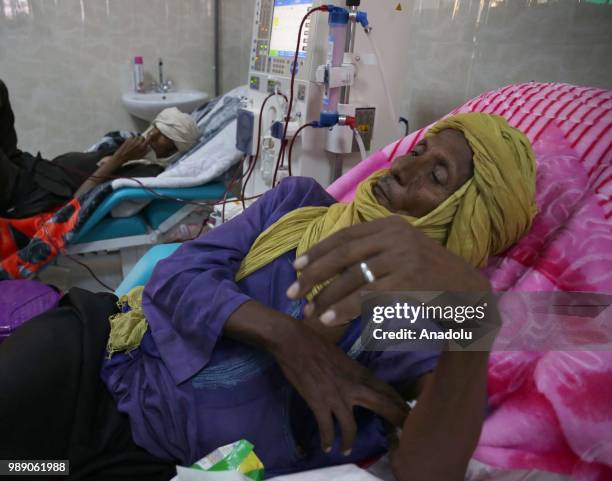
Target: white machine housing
[272, 52]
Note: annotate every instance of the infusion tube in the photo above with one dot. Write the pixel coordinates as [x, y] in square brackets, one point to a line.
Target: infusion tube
[335, 55]
[351, 30]
[338, 26]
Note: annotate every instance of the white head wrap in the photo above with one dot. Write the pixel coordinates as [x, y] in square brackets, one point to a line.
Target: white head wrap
[178, 127]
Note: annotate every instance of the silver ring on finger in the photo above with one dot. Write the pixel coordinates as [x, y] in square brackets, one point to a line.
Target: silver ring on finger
[368, 275]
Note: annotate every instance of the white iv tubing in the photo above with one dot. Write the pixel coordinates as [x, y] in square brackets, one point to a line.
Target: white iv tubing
[360, 143]
[392, 113]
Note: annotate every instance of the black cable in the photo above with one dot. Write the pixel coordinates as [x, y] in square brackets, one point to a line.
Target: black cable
[404, 120]
[239, 174]
[91, 272]
[242, 187]
[297, 132]
[279, 161]
[257, 150]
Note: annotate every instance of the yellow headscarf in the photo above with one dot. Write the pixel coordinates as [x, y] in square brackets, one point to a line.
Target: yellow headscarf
[484, 217]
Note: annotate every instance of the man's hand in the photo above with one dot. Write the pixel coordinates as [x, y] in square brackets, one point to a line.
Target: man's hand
[134, 148]
[399, 256]
[330, 382]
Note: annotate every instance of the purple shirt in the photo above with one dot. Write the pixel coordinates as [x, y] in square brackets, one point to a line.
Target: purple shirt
[189, 390]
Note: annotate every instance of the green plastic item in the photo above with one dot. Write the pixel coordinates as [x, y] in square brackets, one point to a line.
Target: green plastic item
[238, 456]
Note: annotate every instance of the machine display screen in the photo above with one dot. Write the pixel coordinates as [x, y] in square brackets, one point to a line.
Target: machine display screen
[285, 27]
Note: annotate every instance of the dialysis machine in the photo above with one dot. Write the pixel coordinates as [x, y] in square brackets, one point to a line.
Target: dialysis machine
[316, 136]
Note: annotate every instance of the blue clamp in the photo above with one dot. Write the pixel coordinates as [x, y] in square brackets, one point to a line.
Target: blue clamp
[326, 119]
[277, 129]
[362, 18]
[337, 15]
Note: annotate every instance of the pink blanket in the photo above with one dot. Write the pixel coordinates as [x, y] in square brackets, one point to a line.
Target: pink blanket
[549, 410]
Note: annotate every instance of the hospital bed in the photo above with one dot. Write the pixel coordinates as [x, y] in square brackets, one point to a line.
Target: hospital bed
[102, 232]
[199, 177]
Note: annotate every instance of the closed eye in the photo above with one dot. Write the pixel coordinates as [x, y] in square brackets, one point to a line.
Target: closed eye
[419, 149]
[439, 175]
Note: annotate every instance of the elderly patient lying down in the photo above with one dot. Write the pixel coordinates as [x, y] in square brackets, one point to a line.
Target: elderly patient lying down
[30, 185]
[225, 342]
[195, 383]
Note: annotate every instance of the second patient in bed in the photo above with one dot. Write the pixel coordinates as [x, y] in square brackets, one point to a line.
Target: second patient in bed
[30, 184]
[171, 133]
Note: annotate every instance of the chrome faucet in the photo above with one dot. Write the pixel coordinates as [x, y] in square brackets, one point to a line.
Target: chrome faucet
[160, 64]
[162, 87]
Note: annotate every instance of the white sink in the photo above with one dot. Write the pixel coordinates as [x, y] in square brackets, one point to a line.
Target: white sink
[146, 106]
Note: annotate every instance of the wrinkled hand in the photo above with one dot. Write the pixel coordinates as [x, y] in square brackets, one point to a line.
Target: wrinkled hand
[400, 257]
[436, 442]
[332, 384]
[134, 148]
[328, 380]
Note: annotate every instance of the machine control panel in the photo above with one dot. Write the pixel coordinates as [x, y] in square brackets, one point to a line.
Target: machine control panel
[277, 26]
[261, 37]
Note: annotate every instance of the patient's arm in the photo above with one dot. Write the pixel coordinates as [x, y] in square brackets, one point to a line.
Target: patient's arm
[442, 431]
[133, 148]
[102, 174]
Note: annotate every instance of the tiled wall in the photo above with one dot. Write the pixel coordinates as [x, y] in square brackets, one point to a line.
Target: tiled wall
[236, 31]
[66, 62]
[439, 53]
